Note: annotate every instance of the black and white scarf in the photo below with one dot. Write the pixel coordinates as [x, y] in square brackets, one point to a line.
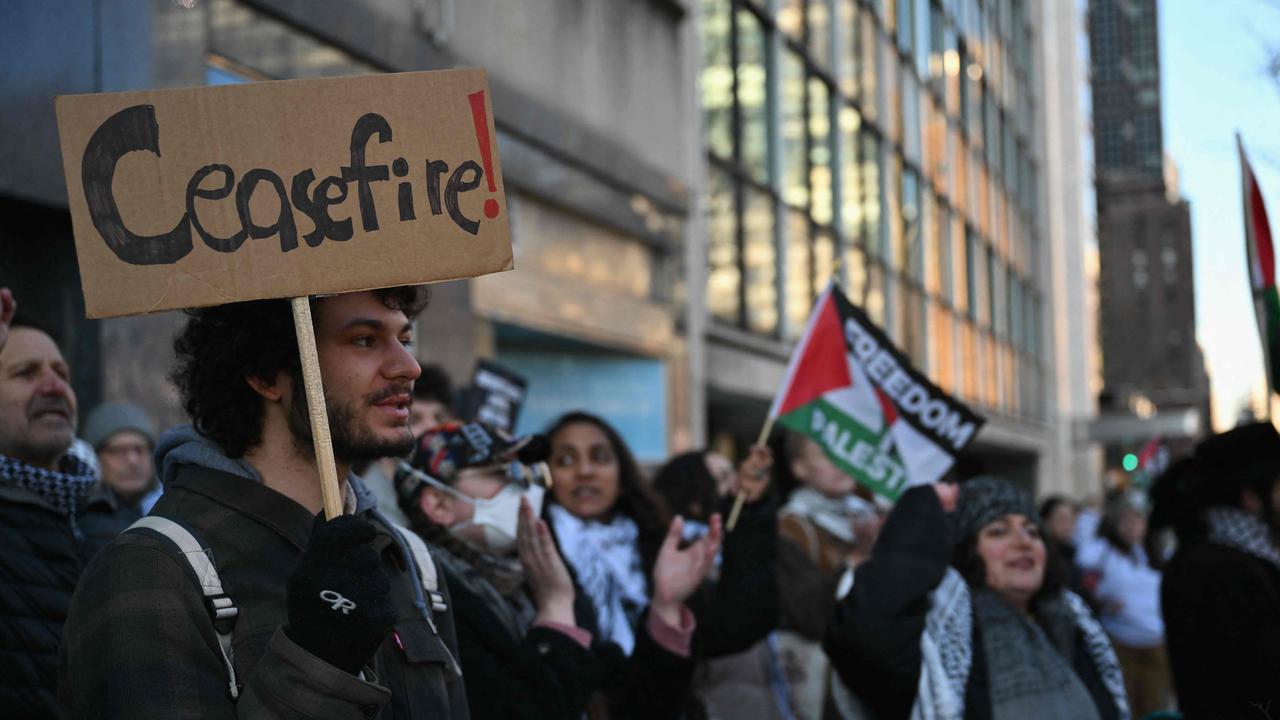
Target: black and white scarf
[1237, 529]
[606, 559]
[66, 488]
[947, 651]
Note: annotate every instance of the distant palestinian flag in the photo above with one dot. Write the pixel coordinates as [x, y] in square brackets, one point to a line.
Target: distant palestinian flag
[1262, 270]
[851, 391]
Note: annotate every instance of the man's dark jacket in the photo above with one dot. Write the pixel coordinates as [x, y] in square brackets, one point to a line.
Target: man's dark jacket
[139, 642]
[40, 562]
[1222, 628]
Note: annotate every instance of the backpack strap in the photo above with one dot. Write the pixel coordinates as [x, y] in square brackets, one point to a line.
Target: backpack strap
[426, 566]
[222, 610]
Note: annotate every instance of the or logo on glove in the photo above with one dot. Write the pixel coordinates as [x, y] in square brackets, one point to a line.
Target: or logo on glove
[338, 602]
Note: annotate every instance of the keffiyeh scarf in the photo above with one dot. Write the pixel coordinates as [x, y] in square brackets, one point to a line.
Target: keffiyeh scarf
[606, 559]
[1237, 529]
[947, 650]
[834, 516]
[66, 488]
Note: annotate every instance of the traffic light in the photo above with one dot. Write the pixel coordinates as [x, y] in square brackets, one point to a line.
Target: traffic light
[1130, 462]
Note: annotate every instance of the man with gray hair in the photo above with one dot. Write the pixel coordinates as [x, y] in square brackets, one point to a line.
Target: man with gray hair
[124, 439]
[52, 519]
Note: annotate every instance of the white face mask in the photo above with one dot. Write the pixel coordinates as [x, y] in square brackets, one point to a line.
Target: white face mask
[498, 516]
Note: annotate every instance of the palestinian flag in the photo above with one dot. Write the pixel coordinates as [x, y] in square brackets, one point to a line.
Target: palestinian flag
[1262, 270]
[851, 391]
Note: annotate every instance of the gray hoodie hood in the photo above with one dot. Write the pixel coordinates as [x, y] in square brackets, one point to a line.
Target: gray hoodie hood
[184, 445]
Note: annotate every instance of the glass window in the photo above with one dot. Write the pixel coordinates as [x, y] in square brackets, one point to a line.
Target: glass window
[931, 251]
[874, 293]
[752, 96]
[911, 118]
[1015, 311]
[820, 151]
[892, 250]
[994, 275]
[716, 82]
[790, 18]
[911, 259]
[851, 182]
[938, 33]
[972, 269]
[795, 181]
[799, 294]
[871, 215]
[906, 26]
[847, 19]
[824, 259]
[760, 262]
[820, 33]
[855, 273]
[723, 274]
[868, 53]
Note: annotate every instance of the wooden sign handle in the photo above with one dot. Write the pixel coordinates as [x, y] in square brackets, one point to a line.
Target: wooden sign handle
[315, 404]
[741, 500]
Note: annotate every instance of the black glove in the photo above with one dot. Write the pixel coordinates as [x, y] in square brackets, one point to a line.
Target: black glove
[339, 597]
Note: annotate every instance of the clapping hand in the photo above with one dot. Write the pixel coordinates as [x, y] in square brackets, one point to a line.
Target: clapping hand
[544, 569]
[678, 573]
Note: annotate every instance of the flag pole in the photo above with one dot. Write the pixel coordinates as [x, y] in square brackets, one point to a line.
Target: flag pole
[311, 379]
[741, 499]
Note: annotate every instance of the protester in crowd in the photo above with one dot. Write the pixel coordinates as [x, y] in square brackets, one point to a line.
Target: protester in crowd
[1063, 523]
[53, 515]
[1127, 590]
[826, 527]
[697, 485]
[334, 619]
[1058, 516]
[610, 527]
[473, 495]
[1221, 591]
[961, 617]
[432, 406]
[122, 436]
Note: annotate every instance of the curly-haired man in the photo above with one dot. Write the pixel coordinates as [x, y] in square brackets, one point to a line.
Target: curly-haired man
[331, 615]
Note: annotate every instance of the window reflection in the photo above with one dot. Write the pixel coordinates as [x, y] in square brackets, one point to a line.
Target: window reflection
[716, 81]
[820, 151]
[752, 95]
[795, 181]
[760, 262]
[824, 259]
[820, 33]
[798, 291]
[723, 274]
[852, 186]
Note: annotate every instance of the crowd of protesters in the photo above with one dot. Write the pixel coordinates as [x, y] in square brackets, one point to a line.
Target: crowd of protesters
[191, 573]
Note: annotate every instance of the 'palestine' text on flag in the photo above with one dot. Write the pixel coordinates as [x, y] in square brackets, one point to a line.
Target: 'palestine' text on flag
[876, 417]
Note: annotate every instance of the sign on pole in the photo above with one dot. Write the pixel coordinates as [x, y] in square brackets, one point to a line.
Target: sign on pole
[210, 195]
[495, 396]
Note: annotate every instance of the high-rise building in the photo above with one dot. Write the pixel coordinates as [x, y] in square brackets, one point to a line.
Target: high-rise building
[1147, 291]
[900, 146]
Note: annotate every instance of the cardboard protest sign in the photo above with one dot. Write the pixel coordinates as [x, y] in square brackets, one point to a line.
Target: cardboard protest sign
[495, 396]
[877, 418]
[204, 196]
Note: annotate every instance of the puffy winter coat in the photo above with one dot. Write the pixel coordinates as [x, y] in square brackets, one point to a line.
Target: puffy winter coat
[40, 563]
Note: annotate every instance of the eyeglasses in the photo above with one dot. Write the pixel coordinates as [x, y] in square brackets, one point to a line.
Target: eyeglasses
[117, 451]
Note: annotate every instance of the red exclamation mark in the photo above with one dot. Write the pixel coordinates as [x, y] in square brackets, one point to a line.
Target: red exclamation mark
[481, 120]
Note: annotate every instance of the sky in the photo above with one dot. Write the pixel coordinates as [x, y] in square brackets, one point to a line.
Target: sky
[1215, 82]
